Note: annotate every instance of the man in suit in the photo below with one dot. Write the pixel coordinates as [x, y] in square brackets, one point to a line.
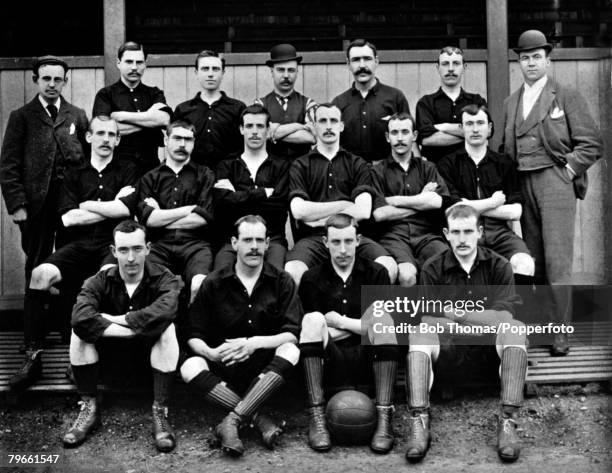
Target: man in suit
[550, 133]
[42, 139]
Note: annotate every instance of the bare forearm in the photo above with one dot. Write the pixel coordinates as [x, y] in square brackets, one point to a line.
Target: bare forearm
[350, 325]
[149, 119]
[390, 212]
[188, 222]
[505, 212]
[441, 138]
[199, 347]
[423, 201]
[76, 217]
[309, 211]
[128, 129]
[165, 217]
[273, 341]
[108, 209]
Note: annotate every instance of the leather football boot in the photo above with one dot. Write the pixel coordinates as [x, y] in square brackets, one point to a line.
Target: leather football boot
[382, 440]
[318, 435]
[419, 436]
[29, 372]
[508, 443]
[227, 433]
[560, 345]
[165, 440]
[86, 422]
[270, 431]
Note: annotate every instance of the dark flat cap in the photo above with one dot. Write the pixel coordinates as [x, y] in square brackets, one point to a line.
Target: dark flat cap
[282, 53]
[48, 60]
[532, 39]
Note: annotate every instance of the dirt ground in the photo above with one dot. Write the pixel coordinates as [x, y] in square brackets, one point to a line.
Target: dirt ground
[564, 429]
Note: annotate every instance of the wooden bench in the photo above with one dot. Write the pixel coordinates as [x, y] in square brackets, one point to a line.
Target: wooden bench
[590, 360]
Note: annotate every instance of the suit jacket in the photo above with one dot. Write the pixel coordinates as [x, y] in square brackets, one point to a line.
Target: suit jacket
[567, 130]
[30, 144]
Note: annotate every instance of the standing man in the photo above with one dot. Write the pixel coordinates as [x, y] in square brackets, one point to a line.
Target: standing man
[551, 135]
[93, 197]
[289, 136]
[331, 330]
[175, 203]
[488, 181]
[409, 194]
[216, 116]
[488, 283]
[42, 139]
[438, 117]
[326, 181]
[367, 105]
[140, 110]
[253, 182]
[242, 330]
[134, 302]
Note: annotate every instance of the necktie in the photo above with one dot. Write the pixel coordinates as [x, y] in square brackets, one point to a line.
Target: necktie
[284, 102]
[53, 111]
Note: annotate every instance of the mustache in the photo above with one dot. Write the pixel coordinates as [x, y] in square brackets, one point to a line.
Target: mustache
[255, 253]
[363, 70]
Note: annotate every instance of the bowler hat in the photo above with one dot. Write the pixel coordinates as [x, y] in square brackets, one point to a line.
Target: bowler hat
[48, 60]
[532, 39]
[282, 53]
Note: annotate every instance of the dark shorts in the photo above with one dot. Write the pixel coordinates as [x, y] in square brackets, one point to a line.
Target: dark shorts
[504, 241]
[239, 376]
[312, 251]
[182, 254]
[275, 255]
[415, 250]
[348, 365]
[125, 361]
[80, 259]
[458, 363]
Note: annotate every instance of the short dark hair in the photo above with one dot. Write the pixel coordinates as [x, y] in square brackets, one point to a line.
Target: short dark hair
[473, 109]
[209, 53]
[254, 219]
[462, 211]
[451, 50]
[340, 221]
[129, 226]
[179, 124]
[324, 105]
[49, 61]
[130, 46]
[255, 109]
[102, 118]
[401, 116]
[357, 43]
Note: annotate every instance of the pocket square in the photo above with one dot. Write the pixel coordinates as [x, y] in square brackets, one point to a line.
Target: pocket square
[557, 113]
[72, 128]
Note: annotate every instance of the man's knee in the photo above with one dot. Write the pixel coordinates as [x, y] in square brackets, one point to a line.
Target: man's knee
[407, 274]
[296, 269]
[289, 352]
[81, 352]
[313, 326]
[432, 350]
[168, 337]
[196, 282]
[192, 367]
[390, 265]
[514, 334]
[44, 275]
[522, 263]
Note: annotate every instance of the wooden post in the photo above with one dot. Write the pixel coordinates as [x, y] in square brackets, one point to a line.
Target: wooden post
[114, 36]
[498, 77]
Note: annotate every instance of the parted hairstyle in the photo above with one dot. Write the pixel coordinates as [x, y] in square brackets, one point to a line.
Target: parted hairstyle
[130, 46]
[248, 219]
[255, 109]
[473, 109]
[401, 116]
[357, 43]
[340, 221]
[129, 226]
[209, 53]
[462, 211]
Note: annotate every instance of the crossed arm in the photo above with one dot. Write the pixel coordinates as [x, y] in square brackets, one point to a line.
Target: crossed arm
[316, 213]
[131, 122]
[92, 211]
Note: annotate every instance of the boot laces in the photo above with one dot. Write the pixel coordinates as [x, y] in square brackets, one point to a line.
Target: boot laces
[509, 425]
[317, 416]
[160, 417]
[84, 414]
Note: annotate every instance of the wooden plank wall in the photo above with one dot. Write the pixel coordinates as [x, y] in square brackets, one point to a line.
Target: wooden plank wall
[321, 82]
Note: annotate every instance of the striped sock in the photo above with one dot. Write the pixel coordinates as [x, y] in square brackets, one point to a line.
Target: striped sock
[417, 380]
[384, 379]
[215, 390]
[267, 384]
[513, 373]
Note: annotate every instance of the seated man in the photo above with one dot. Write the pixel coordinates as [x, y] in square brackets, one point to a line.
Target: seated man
[175, 203]
[253, 182]
[409, 195]
[94, 195]
[136, 301]
[242, 330]
[322, 183]
[488, 181]
[332, 329]
[488, 278]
